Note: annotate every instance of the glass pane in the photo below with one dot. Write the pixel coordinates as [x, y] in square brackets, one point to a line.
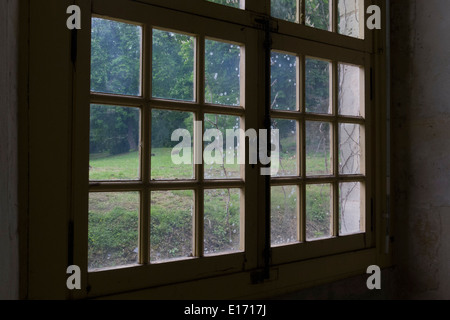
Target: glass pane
[283, 81]
[113, 229]
[284, 215]
[230, 3]
[222, 147]
[349, 90]
[114, 141]
[222, 221]
[222, 73]
[171, 219]
[350, 213]
[317, 86]
[288, 158]
[319, 216]
[318, 148]
[172, 159]
[173, 66]
[349, 148]
[317, 14]
[349, 17]
[116, 57]
[284, 9]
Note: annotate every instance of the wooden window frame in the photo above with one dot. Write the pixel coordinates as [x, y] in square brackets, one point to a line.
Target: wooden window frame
[159, 273]
[291, 267]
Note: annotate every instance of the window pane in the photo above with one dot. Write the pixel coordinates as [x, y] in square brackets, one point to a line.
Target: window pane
[317, 86]
[171, 219]
[116, 57]
[284, 9]
[317, 14]
[349, 90]
[319, 216]
[284, 221]
[222, 221]
[172, 160]
[318, 148]
[283, 81]
[221, 147]
[114, 143]
[349, 16]
[287, 149]
[222, 73]
[173, 66]
[350, 213]
[349, 148]
[113, 229]
[230, 3]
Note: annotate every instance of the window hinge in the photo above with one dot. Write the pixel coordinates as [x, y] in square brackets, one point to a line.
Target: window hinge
[73, 48]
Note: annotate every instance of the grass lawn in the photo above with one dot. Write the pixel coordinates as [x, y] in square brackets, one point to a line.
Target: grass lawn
[113, 217]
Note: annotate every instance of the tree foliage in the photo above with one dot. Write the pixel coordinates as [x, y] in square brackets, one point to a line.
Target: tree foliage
[116, 68]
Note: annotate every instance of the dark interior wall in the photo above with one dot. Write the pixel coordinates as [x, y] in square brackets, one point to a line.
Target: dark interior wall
[421, 147]
[420, 138]
[9, 258]
[420, 59]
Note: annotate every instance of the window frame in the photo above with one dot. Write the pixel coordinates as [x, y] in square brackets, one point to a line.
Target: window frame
[125, 279]
[160, 273]
[336, 244]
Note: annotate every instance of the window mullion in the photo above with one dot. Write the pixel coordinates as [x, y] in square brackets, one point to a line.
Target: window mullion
[145, 148]
[198, 230]
[301, 74]
[335, 141]
[144, 221]
[334, 15]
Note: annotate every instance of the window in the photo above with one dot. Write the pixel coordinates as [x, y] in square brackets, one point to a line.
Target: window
[161, 216]
[171, 92]
[342, 16]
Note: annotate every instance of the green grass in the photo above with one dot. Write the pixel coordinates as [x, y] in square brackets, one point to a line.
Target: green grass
[163, 167]
[120, 167]
[113, 217]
